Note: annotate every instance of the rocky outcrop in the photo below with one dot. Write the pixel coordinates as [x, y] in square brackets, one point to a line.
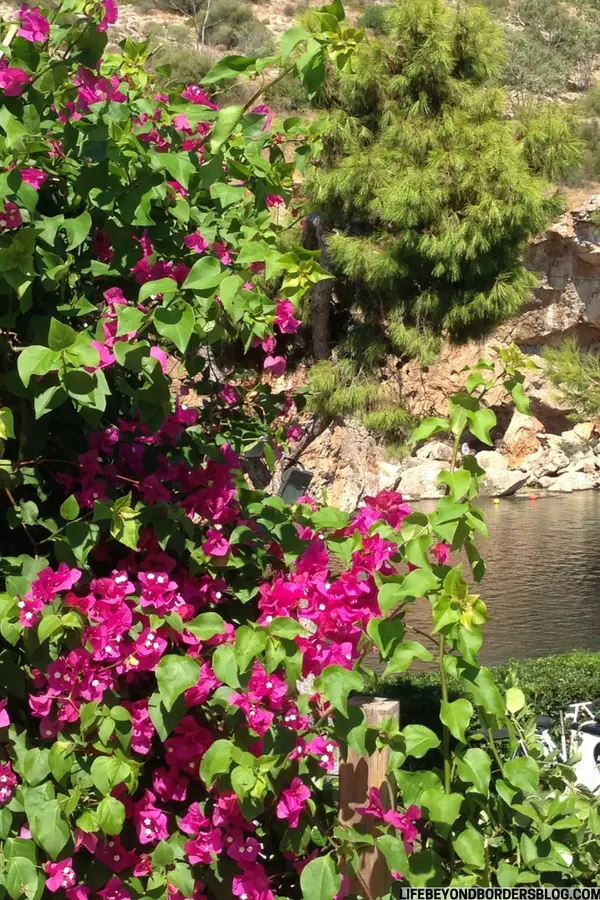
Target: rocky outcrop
[567, 302]
[491, 460]
[572, 481]
[502, 484]
[420, 482]
[522, 437]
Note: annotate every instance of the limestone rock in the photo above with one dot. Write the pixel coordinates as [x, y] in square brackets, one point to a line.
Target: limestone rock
[584, 430]
[502, 483]
[435, 450]
[491, 459]
[420, 482]
[521, 438]
[346, 462]
[547, 462]
[572, 481]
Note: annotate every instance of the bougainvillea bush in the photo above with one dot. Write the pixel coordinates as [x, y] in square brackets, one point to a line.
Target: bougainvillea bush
[176, 655]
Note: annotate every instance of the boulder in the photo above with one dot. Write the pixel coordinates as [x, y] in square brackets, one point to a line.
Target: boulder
[435, 450]
[546, 462]
[584, 430]
[572, 481]
[521, 438]
[502, 483]
[420, 482]
[491, 460]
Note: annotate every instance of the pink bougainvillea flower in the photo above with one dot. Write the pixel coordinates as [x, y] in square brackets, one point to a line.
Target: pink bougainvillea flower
[61, 875]
[181, 123]
[196, 242]
[228, 395]
[10, 216]
[114, 890]
[441, 553]
[403, 822]
[194, 820]
[8, 783]
[203, 848]
[294, 433]
[264, 110]
[292, 801]
[284, 319]
[216, 544]
[252, 883]
[222, 251]
[150, 821]
[274, 365]
[34, 177]
[275, 200]
[35, 27]
[178, 188]
[4, 717]
[79, 892]
[101, 247]
[110, 14]
[170, 785]
[161, 356]
[195, 94]
[257, 268]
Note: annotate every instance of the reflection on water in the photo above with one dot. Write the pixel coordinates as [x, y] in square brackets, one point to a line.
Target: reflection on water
[542, 585]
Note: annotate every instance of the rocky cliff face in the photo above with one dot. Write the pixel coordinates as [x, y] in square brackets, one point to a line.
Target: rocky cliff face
[543, 452]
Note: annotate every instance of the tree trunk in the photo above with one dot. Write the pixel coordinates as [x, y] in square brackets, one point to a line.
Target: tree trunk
[314, 239]
[319, 304]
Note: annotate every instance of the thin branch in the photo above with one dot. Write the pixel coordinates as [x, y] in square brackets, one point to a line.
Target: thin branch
[25, 528]
[205, 23]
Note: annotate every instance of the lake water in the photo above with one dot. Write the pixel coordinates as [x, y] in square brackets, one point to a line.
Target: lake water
[542, 584]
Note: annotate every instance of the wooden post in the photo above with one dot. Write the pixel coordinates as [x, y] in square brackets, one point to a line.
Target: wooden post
[357, 775]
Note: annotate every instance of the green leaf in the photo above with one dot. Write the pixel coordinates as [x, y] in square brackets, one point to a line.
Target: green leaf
[475, 768]
[456, 716]
[35, 766]
[7, 424]
[163, 719]
[21, 878]
[415, 584]
[404, 655]
[242, 781]
[204, 275]
[111, 815]
[330, 517]
[175, 324]
[229, 67]
[283, 627]
[394, 852]
[523, 773]
[336, 683]
[69, 509]
[225, 665]
[206, 625]
[319, 879]
[77, 229]
[49, 828]
[249, 643]
[459, 482]
[61, 336]
[48, 626]
[481, 424]
[291, 39]
[36, 360]
[88, 822]
[428, 428]
[216, 761]
[225, 124]
[418, 740]
[175, 675]
[163, 855]
[515, 700]
[469, 846]
[178, 165]
[520, 399]
[151, 289]
[443, 809]
[129, 318]
[107, 772]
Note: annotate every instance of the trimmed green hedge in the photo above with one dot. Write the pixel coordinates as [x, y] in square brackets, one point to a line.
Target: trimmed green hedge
[549, 683]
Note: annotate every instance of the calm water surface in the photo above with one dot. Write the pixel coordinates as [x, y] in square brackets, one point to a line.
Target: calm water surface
[542, 585]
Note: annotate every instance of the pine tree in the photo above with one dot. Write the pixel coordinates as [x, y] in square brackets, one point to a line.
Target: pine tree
[428, 189]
